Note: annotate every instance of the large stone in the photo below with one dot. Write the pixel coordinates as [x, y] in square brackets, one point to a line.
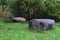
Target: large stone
[19, 19]
[41, 24]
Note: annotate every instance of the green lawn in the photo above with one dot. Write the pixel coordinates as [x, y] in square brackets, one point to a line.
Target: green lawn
[19, 31]
[58, 0]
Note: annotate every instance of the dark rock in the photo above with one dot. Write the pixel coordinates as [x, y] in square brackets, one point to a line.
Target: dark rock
[41, 24]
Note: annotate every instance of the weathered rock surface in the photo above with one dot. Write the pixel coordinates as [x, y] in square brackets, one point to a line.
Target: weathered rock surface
[19, 19]
[41, 24]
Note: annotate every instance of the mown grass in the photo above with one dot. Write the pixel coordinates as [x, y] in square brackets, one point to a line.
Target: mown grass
[20, 31]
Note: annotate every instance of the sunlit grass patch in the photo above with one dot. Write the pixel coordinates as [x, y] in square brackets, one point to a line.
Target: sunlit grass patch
[20, 31]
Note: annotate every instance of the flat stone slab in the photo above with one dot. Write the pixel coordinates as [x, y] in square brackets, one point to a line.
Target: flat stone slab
[41, 24]
[19, 19]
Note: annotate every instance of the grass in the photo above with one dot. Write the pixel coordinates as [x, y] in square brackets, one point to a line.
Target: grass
[58, 0]
[19, 31]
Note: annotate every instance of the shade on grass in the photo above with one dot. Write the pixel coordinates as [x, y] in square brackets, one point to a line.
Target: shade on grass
[19, 31]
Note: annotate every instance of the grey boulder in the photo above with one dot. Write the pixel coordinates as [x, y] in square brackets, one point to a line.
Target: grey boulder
[41, 24]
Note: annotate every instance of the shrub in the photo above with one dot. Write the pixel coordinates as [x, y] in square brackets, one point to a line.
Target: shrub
[35, 9]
